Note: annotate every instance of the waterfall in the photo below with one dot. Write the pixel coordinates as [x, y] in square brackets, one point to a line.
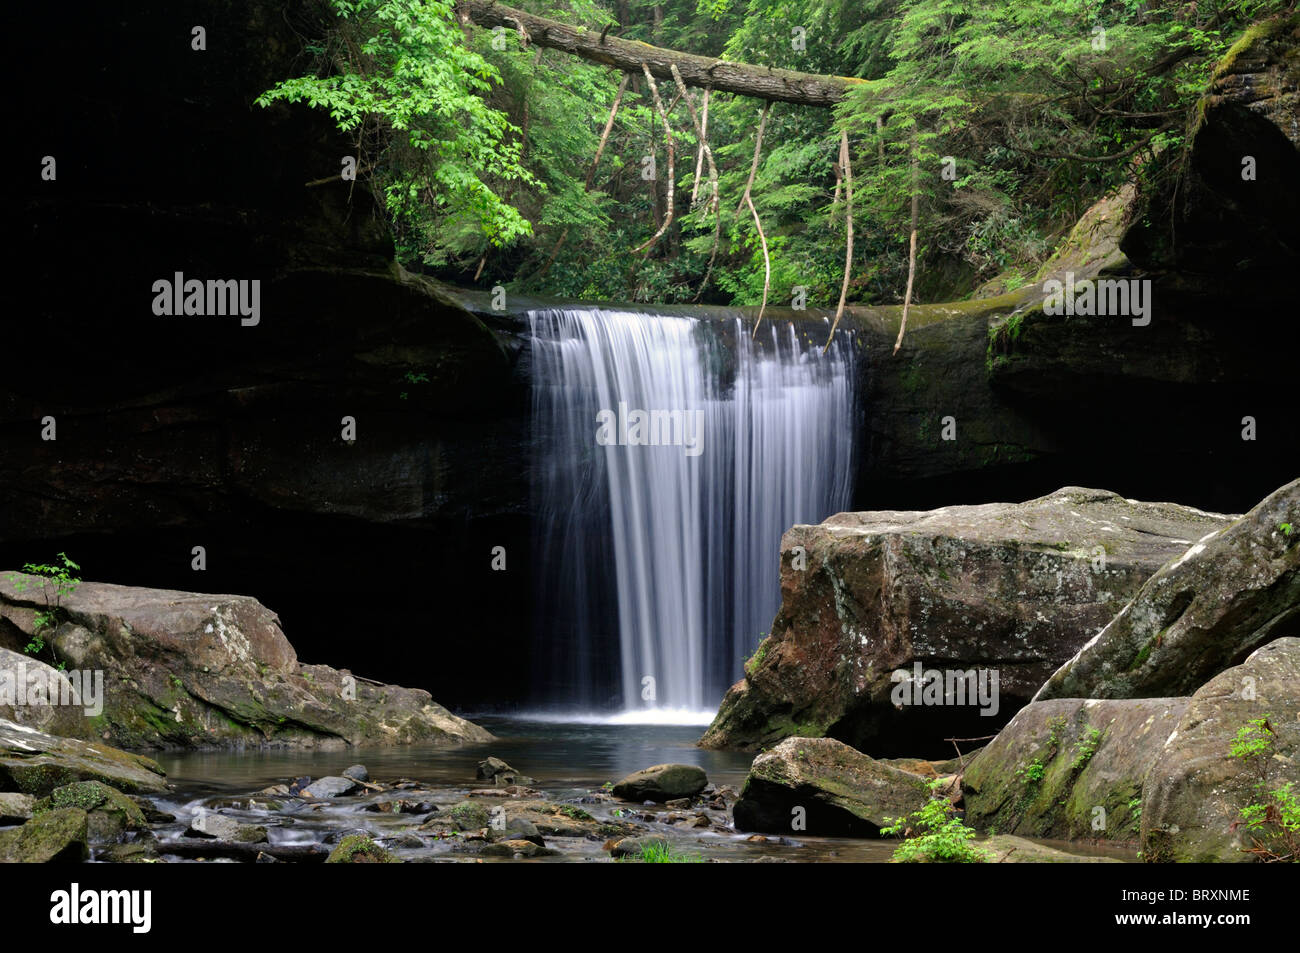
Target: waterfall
[670, 455]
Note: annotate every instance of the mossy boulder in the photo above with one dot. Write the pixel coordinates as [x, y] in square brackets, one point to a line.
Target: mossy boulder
[1196, 788]
[1070, 768]
[1235, 589]
[468, 816]
[1011, 590]
[50, 837]
[37, 763]
[360, 849]
[820, 786]
[110, 813]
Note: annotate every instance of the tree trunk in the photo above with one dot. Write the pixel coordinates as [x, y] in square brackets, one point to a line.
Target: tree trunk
[761, 82]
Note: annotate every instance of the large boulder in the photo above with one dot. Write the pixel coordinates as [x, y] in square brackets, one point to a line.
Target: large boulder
[662, 782]
[1070, 768]
[820, 786]
[1005, 590]
[52, 837]
[1197, 788]
[191, 669]
[109, 812]
[36, 763]
[1206, 610]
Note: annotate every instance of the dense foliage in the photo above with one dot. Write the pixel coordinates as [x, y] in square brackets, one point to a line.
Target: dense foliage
[1005, 120]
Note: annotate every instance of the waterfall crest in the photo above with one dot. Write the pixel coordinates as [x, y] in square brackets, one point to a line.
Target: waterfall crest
[656, 557]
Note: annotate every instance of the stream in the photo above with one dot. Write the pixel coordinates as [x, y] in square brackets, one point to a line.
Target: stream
[568, 762]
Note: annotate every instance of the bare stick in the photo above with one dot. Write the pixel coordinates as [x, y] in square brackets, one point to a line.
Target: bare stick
[703, 129]
[747, 199]
[668, 135]
[846, 167]
[911, 257]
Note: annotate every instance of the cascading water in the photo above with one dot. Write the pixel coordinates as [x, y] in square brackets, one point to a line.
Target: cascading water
[671, 454]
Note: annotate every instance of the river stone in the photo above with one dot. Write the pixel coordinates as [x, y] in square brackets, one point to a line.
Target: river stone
[36, 763]
[635, 846]
[498, 772]
[110, 813]
[225, 828]
[196, 670]
[517, 848]
[332, 786]
[1196, 789]
[357, 772]
[516, 828]
[1010, 588]
[1093, 754]
[50, 837]
[842, 792]
[1236, 589]
[15, 808]
[18, 674]
[662, 782]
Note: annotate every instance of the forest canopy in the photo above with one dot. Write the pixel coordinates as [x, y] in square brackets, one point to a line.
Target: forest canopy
[984, 127]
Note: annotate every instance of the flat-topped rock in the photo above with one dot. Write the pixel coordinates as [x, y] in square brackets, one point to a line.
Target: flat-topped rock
[1005, 590]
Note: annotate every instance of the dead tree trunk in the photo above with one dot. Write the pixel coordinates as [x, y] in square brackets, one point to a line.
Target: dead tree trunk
[761, 82]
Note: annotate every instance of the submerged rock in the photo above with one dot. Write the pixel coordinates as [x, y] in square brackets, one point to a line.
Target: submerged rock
[36, 763]
[823, 787]
[195, 669]
[1236, 589]
[1196, 789]
[49, 837]
[662, 782]
[965, 594]
[1070, 768]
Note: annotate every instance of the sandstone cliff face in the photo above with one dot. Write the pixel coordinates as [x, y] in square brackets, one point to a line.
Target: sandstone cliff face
[1012, 590]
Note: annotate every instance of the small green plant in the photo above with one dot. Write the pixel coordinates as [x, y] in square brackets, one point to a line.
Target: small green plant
[660, 853]
[1033, 772]
[1272, 820]
[575, 813]
[759, 654]
[57, 581]
[1285, 528]
[1086, 748]
[937, 834]
[1135, 809]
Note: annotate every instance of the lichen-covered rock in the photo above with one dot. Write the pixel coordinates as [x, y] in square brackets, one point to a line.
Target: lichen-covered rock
[50, 837]
[36, 763]
[823, 787]
[1236, 589]
[1070, 768]
[109, 812]
[192, 669]
[1012, 590]
[1197, 788]
[662, 782]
